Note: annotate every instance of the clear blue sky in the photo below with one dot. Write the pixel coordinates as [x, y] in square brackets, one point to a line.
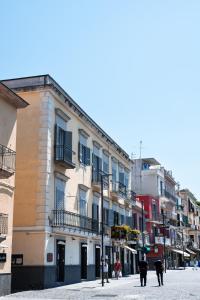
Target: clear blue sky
[133, 65]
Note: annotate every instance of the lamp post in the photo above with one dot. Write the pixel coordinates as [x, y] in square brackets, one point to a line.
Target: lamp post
[164, 242]
[142, 229]
[183, 249]
[102, 228]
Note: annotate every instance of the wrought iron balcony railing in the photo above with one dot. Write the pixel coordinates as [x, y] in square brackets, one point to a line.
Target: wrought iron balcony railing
[120, 189]
[62, 218]
[170, 196]
[3, 224]
[7, 162]
[63, 155]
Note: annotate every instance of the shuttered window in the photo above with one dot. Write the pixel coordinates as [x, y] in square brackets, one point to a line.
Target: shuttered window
[114, 175]
[83, 202]
[60, 194]
[121, 174]
[97, 168]
[84, 154]
[105, 163]
[63, 144]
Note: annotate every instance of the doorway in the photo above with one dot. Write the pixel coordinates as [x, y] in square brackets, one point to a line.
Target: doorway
[83, 261]
[60, 261]
[97, 261]
[122, 259]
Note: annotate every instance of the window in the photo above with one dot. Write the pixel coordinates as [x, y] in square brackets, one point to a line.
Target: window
[135, 223]
[60, 194]
[161, 188]
[105, 163]
[126, 179]
[97, 165]
[63, 141]
[116, 216]
[122, 216]
[129, 218]
[95, 208]
[83, 202]
[114, 175]
[154, 211]
[106, 216]
[122, 187]
[121, 174]
[84, 151]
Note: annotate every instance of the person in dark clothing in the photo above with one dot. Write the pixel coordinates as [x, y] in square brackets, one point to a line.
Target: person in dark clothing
[159, 271]
[143, 266]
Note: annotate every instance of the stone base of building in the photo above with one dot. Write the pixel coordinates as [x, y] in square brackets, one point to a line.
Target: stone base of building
[5, 284]
[42, 277]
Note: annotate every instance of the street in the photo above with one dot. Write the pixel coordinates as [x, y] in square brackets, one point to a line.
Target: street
[178, 284]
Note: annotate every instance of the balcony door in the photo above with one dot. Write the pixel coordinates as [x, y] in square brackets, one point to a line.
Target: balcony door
[60, 262]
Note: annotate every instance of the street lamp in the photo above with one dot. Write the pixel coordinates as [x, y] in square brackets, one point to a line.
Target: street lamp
[164, 247]
[183, 249]
[142, 229]
[102, 227]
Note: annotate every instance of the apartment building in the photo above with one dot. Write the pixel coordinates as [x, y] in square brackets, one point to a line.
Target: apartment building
[62, 154]
[156, 188]
[9, 103]
[190, 217]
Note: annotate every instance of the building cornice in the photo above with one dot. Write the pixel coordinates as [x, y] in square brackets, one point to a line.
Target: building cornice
[42, 81]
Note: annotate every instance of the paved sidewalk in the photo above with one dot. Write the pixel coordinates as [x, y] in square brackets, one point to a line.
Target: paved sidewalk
[178, 284]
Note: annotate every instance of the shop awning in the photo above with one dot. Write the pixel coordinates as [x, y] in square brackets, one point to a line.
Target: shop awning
[190, 251]
[130, 249]
[181, 252]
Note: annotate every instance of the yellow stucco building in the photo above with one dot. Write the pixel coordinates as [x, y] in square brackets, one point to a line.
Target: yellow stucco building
[62, 153]
[9, 103]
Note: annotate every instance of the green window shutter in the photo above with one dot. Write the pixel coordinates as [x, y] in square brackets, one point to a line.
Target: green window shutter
[68, 146]
[87, 156]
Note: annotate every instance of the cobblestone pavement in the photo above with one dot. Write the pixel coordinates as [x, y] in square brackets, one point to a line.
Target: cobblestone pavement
[178, 284]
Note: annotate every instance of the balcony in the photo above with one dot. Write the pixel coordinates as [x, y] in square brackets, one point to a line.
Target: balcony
[96, 180]
[162, 240]
[170, 196]
[3, 225]
[66, 219]
[119, 190]
[7, 162]
[180, 207]
[63, 156]
[124, 232]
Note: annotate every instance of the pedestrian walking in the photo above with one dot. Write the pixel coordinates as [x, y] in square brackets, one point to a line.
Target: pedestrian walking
[105, 270]
[117, 268]
[159, 271]
[143, 266]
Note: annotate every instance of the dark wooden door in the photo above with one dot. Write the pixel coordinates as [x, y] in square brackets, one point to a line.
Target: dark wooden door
[83, 261]
[60, 261]
[97, 261]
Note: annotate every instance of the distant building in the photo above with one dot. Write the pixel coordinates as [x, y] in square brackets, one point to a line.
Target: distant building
[189, 215]
[9, 103]
[156, 188]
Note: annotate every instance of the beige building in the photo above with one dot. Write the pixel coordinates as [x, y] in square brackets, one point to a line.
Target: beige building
[62, 154]
[190, 222]
[9, 103]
